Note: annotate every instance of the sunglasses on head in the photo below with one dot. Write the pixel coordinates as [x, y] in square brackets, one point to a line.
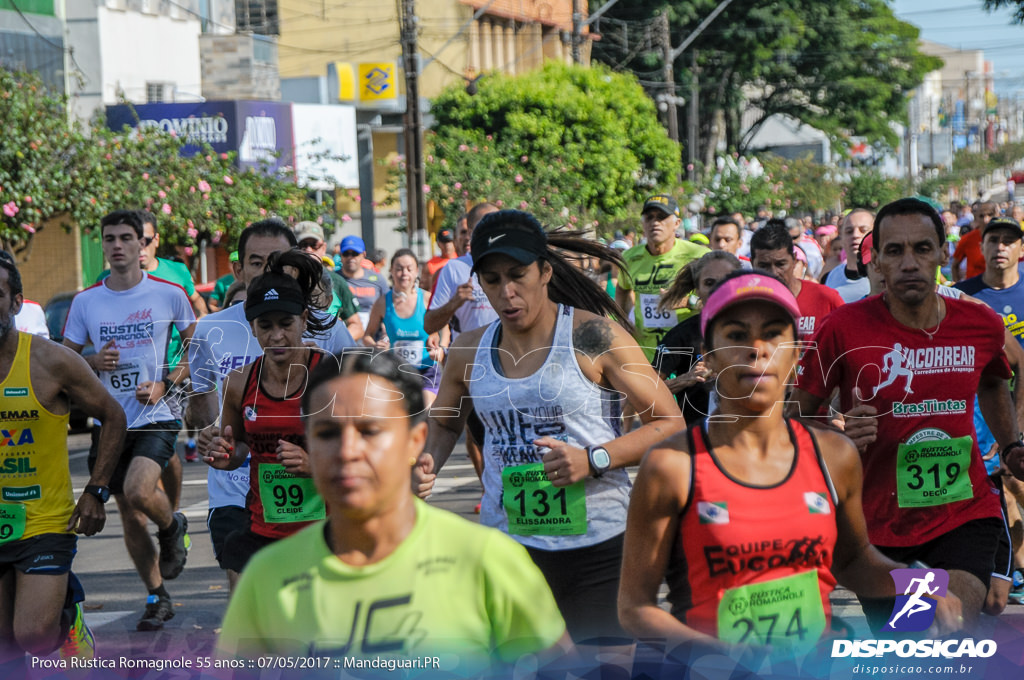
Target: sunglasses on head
[146, 240]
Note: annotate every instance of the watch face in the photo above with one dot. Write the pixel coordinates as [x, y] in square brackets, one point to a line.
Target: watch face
[601, 459]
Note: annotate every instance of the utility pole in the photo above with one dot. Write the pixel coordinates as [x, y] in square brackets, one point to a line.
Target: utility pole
[670, 80]
[413, 121]
[578, 25]
[577, 31]
[692, 129]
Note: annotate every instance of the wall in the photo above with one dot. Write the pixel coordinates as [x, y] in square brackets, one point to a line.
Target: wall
[52, 263]
[120, 50]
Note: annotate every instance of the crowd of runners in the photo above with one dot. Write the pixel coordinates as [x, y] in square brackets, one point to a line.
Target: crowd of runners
[741, 417]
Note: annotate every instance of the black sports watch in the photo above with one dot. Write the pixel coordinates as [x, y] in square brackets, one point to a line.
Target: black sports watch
[1006, 449]
[600, 460]
[100, 492]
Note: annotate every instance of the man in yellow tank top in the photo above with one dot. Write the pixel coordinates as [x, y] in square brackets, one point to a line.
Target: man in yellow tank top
[38, 514]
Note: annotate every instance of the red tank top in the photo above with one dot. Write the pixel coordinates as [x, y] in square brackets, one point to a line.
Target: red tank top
[277, 501]
[753, 564]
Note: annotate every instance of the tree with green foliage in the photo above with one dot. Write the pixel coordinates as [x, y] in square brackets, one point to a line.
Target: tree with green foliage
[843, 67]
[572, 145]
[869, 188]
[1016, 5]
[56, 170]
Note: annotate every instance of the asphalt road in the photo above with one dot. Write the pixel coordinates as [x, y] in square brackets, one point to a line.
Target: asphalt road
[115, 596]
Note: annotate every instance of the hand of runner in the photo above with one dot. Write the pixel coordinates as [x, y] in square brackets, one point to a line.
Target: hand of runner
[294, 458]
[434, 349]
[698, 374]
[1013, 462]
[949, 616]
[463, 294]
[106, 359]
[423, 476]
[563, 464]
[88, 517]
[150, 392]
[221, 448]
[205, 438]
[861, 422]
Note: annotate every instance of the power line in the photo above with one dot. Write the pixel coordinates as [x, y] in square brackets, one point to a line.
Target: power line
[67, 50]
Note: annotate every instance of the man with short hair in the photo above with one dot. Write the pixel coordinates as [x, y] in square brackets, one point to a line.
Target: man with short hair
[651, 267]
[128, 317]
[457, 297]
[1001, 287]
[727, 235]
[446, 244]
[846, 280]
[772, 249]
[31, 318]
[969, 246]
[222, 343]
[38, 380]
[310, 237]
[926, 495]
[366, 285]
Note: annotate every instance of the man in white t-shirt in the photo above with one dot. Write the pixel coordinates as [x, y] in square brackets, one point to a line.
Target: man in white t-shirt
[31, 318]
[846, 280]
[222, 343]
[128, 318]
[457, 298]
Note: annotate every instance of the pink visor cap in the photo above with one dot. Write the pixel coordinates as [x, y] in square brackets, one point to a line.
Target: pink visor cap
[743, 289]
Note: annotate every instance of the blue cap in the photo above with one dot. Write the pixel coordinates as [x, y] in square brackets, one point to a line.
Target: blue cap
[353, 243]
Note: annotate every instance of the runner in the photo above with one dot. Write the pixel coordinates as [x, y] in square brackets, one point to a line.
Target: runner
[39, 516]
[680, 353]
[310, 237]
[748, 505]
[651, 267]
[366, 285]
[545, 381]
[459, 303]
[217, 297]
[943, 511]
[31, 318]
[260, 414]
[434, 584]
[968, 248]
[772, 250]
[1001, 287]
[401, 312]
[127, 317]
[846, 280]
[222, 343]
[446, 244]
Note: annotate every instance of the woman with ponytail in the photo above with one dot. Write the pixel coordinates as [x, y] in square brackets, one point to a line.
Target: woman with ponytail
[547, 379]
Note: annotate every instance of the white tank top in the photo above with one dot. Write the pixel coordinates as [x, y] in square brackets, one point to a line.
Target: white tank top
[557, 401]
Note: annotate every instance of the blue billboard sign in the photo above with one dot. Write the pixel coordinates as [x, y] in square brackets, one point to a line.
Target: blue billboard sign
[260, 132]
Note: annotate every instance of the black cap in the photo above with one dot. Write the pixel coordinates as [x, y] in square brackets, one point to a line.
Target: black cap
[445, 236]
[513, 233]
[1003, 223]
[662, 202]
[273, 293]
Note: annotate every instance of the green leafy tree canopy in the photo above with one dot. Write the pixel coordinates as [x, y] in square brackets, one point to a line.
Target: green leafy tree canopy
[54, 169]
[569, 144]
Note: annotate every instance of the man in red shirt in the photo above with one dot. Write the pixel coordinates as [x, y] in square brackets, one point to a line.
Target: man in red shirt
[771, 249]
[907, 365]
[969, 246]
[446, 243]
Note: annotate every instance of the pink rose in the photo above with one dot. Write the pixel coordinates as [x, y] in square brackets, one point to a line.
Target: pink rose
[28, 199]
[426, 188]
[346, 218]
[145, 175]
[519, 179]
[228, 180]
[192, 233]
[524, 158]
[457, 185]
[523, 205]
[189, 250]
[166, 209]
[28, 227]
[204, 186]
[463, 147]
[10, 209]
[161, 194]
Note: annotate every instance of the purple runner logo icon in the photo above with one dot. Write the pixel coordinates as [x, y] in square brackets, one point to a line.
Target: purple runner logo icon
[915, 608]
